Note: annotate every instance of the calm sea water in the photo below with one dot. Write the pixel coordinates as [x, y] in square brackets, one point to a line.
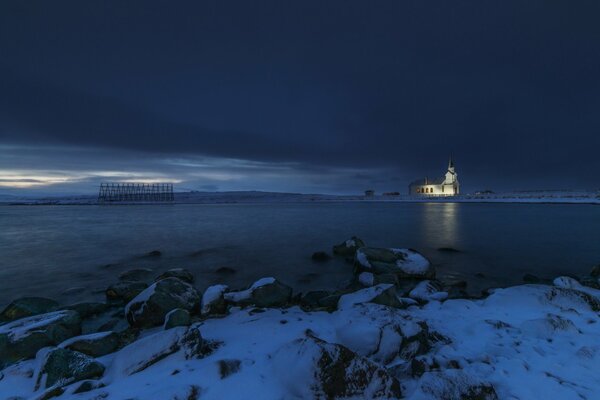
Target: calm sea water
[71, 253]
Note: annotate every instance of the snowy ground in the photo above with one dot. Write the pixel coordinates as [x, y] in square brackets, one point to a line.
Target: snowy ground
[527, 342]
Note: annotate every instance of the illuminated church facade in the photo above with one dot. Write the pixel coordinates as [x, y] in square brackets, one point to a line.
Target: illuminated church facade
[446, 186]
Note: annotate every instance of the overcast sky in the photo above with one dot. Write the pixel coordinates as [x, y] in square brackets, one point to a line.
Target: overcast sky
[305, 96]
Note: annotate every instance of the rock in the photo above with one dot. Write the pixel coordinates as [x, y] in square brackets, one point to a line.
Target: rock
[320, 256]
[21, 339]
[177, 317]
[228, 367]
[88, 385]
[449, 250]
[147, 351]
[591, 282]
[332, 371]
[348, 248]
[213, 300]
[567, 282]
[595, 272]
[27, 307]
[65, 366]
[124, 291]
[266, 292]
[572, 299]
[384, 294]
[366, 279]
[331, 301]
[95, 344]
[404, 263]
[427, 291]
[530, 278]
[310, 300]
[225, 271]
[154, 254]
[456, 384]
[150, 307]
[179, 273]
[88, 309]
[137, 274]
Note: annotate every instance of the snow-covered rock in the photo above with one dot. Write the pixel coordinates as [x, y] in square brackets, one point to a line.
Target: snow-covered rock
[213, 300]
[177, 317]
[384, 294]
[94, 344]
[124, 291]
[348, 247]
[150, 307]
[318, 369]
[62, 367]
[179, 273]
[265, 292]
[21, 339]
[404, 263]
[428, 291]
[366, 279]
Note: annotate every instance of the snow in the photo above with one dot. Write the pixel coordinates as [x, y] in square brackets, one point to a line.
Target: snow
[91, 336]
[363, 295]
[24, 327]
[425, 291]
[412, 262]
[211, 294]
[242, 295]
[527, 341]
[362, 259]
[366, 279]
[142, 297]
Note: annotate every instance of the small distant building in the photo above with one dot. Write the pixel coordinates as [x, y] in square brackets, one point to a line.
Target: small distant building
[369, 193]
[446, 186]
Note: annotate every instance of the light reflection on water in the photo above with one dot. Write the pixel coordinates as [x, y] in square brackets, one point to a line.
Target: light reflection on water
[47, 249]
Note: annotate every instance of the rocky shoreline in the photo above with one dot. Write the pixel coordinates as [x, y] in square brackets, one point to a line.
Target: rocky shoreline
[394, 332]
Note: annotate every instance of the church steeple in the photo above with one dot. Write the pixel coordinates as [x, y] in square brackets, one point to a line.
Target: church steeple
[451, 164]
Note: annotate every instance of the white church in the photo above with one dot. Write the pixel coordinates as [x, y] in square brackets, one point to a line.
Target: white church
[447, 186]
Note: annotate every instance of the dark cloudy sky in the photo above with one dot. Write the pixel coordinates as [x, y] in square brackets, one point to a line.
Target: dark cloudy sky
[308, 96]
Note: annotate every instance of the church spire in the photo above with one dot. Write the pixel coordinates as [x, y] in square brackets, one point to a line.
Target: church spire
[450, 163]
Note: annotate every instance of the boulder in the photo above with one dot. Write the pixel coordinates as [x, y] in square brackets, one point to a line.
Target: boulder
[213, 300]
[384, 294]
[95, 344]
[177, 317]
[228, 367]
[595, 272]
[311, 299]
[323, 370]
[27, 307]
[149, 350]
[404, 263]
[136, 274]
[179, 273]
[348, 247]
[265, 292]
[456, 384]
[124, 291]
[366, 279]
[427, 291]
[63, 367]
[88, 309]
[320, 256]
[150, 307]
[21, 339]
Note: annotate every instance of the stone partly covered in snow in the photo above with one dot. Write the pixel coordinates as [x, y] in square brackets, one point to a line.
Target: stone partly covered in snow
[455, 384]
[27, 307]
[567, 283]
[265, 292]
[348, 248]
[63, 367]
[404, 263]
[21, 339]
[177, 317]
[384, 294]
[87, 309]
[213, 300]
[150, 307]
[179, 273]
[318, 369]
[95, 344]
[149, 350]
[428, 291]
[366, 279]
[124, 291]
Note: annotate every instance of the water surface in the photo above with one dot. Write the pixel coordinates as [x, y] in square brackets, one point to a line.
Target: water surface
[72, 253]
